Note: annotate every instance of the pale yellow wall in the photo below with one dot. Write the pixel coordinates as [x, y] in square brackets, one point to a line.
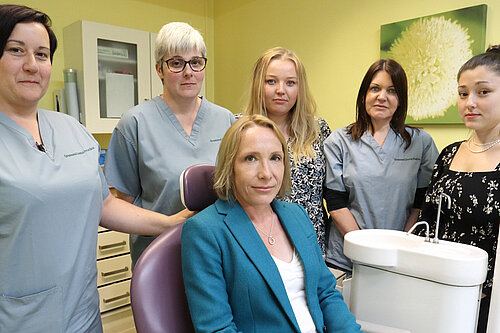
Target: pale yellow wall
[336, 39]
[148, 15]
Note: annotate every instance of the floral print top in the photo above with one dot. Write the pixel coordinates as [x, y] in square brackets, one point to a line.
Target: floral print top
[308, 178]
[475, 207]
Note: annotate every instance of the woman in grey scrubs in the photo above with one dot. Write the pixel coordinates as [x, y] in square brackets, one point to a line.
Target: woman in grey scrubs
[53, 194]
[156, 140]
[378, 168]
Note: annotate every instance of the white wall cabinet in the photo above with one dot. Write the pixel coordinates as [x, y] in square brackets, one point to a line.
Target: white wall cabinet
[115, 70]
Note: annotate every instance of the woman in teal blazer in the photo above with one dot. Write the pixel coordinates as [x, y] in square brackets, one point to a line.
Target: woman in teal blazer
[231, 279]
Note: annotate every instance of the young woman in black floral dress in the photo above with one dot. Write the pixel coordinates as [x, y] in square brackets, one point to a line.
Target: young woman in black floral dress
[279, 90]
[469, 171]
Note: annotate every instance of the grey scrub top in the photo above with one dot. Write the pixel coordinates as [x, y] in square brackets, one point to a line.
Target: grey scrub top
[380, 181]
[50, 208]
[149, 149]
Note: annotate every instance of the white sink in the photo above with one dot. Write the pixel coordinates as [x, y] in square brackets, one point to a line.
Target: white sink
[445, 262]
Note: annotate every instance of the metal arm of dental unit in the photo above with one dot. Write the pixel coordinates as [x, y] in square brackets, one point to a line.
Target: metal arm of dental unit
[435, 239]
[448, 198]
[427, 239]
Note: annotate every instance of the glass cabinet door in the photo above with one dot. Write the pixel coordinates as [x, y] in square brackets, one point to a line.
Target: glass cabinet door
[113, 66]
[117, 63]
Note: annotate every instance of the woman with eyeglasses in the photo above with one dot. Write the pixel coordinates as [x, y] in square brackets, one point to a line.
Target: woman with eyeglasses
[156, 140]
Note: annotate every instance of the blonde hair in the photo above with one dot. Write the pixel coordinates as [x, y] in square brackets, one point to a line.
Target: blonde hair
[178, 37]
[303, 128]
[224, 168]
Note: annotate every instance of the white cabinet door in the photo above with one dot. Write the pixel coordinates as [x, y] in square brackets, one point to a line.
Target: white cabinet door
[156, 84]
[114, 68]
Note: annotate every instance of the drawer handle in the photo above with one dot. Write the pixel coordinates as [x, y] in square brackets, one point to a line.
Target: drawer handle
[117, 298]
[117, 271]
[113, 245]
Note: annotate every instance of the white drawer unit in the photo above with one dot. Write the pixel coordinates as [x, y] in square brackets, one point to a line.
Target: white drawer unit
[118, 320]
[112, 243]
[115, 295]
[114, 271]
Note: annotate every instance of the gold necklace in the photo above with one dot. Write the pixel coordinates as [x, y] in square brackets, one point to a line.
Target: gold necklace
[270, 237]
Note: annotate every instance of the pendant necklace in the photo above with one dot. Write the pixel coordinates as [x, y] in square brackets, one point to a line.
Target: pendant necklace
[486, 146]
[270, 237]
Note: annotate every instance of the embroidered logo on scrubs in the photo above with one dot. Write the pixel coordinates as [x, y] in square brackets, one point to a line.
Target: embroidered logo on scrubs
[216, 140]
[407, 159]
[79, 152]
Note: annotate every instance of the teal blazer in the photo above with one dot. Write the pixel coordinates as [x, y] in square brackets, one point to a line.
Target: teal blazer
[233, 285]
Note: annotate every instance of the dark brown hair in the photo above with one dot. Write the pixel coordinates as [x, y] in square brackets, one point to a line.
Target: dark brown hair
[10, 15]
[490, 59]
[363, 120]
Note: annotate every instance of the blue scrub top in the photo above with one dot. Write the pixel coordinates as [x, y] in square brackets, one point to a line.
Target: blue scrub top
[380, 181]
[50, 208]
[149, 149]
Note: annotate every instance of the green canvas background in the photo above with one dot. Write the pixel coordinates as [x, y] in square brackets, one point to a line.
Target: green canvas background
[472, 18]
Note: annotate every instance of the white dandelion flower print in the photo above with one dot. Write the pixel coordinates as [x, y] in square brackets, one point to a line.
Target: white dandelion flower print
[431, 50]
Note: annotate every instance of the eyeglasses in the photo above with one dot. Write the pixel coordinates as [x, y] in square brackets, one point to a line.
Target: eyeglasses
[177, 65]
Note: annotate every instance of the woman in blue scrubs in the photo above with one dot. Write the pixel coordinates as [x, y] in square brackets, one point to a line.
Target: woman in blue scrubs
[378, 168]
[156, 140]
[53, 194]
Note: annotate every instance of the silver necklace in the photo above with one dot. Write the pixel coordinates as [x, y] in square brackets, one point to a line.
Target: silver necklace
[270, 237]
[486, 146]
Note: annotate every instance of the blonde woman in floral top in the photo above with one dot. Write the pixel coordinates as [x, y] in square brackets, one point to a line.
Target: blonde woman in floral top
[469, 171]
[279, 90]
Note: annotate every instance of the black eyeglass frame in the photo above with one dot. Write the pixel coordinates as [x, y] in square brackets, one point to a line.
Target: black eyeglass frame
[185, 63]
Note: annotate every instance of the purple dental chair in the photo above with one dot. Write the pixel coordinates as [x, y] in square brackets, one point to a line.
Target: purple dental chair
[159, 302]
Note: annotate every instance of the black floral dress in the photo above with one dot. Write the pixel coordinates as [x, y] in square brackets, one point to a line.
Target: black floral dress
[475, 207]
[308, 179]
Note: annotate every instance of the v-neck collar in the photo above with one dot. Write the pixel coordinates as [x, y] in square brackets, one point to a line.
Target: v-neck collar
[6, 120]
[43, 127]
[381, 151]
[241, 227]
[46, 133]
[195, 130]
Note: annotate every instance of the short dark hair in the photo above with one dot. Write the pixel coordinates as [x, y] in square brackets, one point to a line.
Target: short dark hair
[10, 15]
[490, 59]
[399, 81]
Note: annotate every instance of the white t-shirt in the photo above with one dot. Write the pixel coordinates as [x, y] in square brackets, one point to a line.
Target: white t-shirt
[292, 275]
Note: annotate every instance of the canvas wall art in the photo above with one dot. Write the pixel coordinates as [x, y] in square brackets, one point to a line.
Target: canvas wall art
[431, 50]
